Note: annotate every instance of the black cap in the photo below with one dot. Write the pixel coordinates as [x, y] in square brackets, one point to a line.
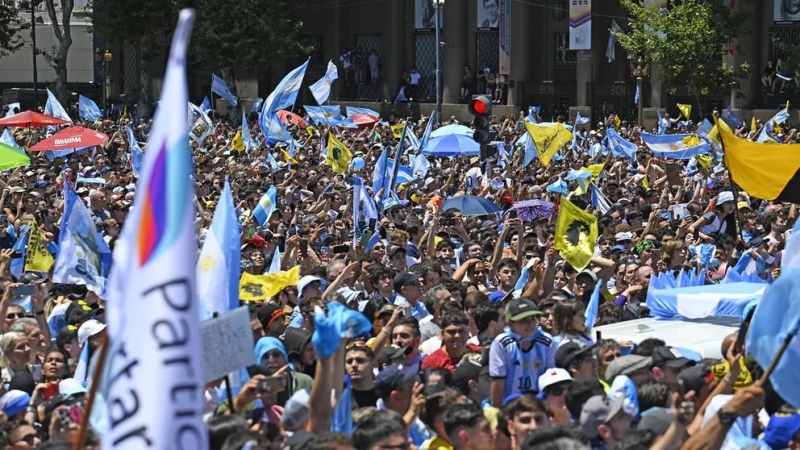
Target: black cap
[395, 249]
[569, 352]
[405, 279]
[520, 308]
[268, 312]
[391, 353]
[80, 311]
[667, 356]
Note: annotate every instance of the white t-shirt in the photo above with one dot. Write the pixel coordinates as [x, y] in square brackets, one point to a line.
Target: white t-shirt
[472, 179]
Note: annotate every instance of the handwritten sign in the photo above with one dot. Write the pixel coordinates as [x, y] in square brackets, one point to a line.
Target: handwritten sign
[227, 343]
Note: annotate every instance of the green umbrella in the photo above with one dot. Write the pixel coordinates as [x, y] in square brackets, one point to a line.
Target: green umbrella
[11, 157]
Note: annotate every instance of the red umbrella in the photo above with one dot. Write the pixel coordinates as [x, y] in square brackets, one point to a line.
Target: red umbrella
[290, 118]
[72, 137]
[30, 119]
[363, 120]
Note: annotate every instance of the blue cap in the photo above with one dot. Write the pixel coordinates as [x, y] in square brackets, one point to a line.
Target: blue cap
[394, 376]
[105, 169]
[782, 427]
[496, 296]
[40, 184]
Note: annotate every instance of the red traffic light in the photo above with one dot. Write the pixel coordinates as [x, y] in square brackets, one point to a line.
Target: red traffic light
[480, 105]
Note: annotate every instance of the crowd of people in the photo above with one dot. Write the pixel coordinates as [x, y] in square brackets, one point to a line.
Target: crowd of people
[460, 354]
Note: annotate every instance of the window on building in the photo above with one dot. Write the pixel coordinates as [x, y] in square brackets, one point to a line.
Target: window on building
[563, 54]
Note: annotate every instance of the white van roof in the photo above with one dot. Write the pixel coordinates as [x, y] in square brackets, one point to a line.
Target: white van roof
[701, 335]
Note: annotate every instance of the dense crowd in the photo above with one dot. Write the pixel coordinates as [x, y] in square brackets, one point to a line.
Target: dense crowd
[460, 354]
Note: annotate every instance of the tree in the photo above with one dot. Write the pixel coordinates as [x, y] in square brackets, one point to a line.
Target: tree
[144, 26]
[63, 32]
[243, 34]
[11, 23]
[686, 42]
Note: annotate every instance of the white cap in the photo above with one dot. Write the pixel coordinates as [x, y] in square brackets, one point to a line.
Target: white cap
[724, 197]
[89, 329]
[71, 386]
[553, 376]
[305, 281]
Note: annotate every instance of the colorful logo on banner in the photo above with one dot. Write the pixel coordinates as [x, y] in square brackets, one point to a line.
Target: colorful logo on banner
[580, 25]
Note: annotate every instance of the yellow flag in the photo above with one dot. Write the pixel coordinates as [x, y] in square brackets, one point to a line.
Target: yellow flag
[595, 169]
[685, 109]
[646, 182]
[776, 128]
[704, 161]
[576, 233]
[765, 171]
[288, 157]
[311, 131]
[548, 139]
[237, 143]
[713, 134]
[691, 141]
[617, 121]
[253, 288]
[753, 124]
[397, 130]
[339, 155]
[37, 258]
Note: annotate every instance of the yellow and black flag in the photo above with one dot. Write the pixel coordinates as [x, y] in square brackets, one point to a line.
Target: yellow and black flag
[548, 139]
[339, 155]
[576, 233]
[766, 171]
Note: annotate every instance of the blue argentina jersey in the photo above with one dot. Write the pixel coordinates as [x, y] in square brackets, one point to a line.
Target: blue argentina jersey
[521, 369]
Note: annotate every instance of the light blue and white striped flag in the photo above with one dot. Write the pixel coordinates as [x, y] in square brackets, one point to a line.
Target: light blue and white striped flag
[220, 87]
[88, 109]
[322, 88]
[218, 265]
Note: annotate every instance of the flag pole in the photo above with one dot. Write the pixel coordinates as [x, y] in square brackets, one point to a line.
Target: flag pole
[87, 410]
[734, 189]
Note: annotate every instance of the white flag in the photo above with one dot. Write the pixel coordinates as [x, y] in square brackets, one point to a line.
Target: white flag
[155, 379]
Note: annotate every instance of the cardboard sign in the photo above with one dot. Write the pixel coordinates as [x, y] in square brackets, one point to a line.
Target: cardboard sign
[227, 343]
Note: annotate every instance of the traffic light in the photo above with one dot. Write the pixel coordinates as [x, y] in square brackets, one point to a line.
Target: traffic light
[481, 108]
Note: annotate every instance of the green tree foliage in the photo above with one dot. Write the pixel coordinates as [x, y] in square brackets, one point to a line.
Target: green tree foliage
[12, 21]
[245, 34]
[687, 43]
[144, 26]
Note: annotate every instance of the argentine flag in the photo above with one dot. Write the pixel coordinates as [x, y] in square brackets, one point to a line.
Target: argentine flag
[266, 206]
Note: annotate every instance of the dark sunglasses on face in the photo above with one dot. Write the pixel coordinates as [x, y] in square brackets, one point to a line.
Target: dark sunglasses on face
[556, 391]
[15, 315]
[611, 357]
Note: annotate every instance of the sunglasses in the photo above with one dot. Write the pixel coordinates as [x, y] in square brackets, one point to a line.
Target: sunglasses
[28, 439]
[609, 358]
[378, 247]
[556, 391]
[15, 315]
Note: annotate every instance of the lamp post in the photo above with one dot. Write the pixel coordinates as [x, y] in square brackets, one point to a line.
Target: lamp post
[103, 59]
[438, 4]
[640, 72]
[33, 46]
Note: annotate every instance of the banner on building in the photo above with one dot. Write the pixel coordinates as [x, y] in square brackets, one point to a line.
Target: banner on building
[505, 37]
[424, 15]
[488, 14]
[580, 25]
[786, 12]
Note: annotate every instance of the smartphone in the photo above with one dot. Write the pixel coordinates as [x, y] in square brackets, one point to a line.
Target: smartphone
[598, 335]
[304, 247]
[25, 289]
[655, 256]
[16, 254]
[372, 223]
[447, 222]
[281, 243]
[365, 237]
[512, 214]
[338, 249]
[273, 384]
[50, 391]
